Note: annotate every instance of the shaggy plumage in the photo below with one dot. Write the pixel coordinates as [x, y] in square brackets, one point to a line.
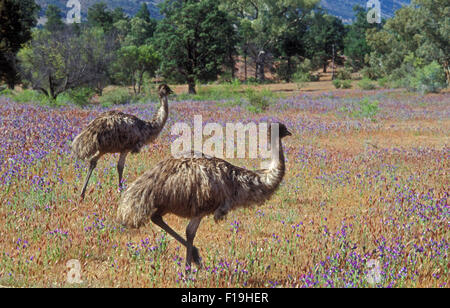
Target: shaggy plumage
[117, 132]
[197, 187]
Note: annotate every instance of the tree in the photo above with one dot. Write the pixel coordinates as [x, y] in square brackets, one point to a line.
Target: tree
[270, 21]
[100, 16]
[133, 62]
[414, 38]
[356, 47]
[54, 19]
[139, 31]
[17, 18]
[194, 40]
[54, 63]
[143, 13]
[324, 37]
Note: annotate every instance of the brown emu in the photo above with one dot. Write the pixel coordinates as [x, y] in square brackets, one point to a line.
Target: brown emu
[117, 132]
[196, 187]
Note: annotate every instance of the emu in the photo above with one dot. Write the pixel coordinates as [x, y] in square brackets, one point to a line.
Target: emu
[117, 132]
[196, 187]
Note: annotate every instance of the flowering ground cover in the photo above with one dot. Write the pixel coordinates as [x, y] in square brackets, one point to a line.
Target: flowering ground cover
[367, 183]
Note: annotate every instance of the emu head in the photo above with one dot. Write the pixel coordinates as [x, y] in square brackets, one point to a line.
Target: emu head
[164, 91]
[282, 130]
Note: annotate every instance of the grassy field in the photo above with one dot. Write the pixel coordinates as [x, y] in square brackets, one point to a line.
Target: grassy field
[367, 182]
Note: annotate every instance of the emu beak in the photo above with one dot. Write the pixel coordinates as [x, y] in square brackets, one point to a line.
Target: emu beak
[289, 133]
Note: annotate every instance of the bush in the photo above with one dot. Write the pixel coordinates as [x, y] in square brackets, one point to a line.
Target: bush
[429, 79]
[342, 84]
[258, 101]
[79, 96]
[346, 84]
[337, 83]
[366, 84]
[30, 96]
[344, 74]
[303, 73]
[383, 82]
[367, 109]
[119, 96]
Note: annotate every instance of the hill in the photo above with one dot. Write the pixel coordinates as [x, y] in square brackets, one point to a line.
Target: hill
[129, 6]
[344, 8]
[340, 8]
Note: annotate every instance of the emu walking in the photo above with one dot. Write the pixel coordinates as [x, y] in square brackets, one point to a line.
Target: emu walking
[196, 187]
[117, 132]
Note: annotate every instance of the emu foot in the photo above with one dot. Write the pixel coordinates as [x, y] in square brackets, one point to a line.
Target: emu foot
[196, 257]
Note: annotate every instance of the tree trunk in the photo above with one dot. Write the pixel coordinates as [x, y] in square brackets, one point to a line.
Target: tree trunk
[245, 66]
[289, 69]
[51, 87]
[140, 82]
[10, 82]
[233, 67]
[325, 64]
[260, 61]
[191, 84]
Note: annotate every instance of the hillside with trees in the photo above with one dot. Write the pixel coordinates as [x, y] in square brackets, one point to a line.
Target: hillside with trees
[202, 41]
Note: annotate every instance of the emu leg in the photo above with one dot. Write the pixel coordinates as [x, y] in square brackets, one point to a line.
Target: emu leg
[191, 251]
[157, 220]
[92, 166]
[120, 166]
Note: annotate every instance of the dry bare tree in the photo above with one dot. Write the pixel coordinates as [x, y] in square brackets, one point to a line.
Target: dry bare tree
[196, 187]
[117, 132]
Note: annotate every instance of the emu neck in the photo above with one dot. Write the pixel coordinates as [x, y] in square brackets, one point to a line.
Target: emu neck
[275, 173]
[163, 112]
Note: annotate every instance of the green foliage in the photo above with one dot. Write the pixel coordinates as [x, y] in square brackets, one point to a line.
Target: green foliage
[430, 78]
[417, 32]
[226, 91]
[99, 16]
[324, 33]
[346, 84]
[133, 63]
[366, 84]
[195, 39]
[342, 84]
[303, 73]
[80, 96]
[367, 109]
[56, 62]
[356, 47]
[27, 96]
[258, 101]
[54, 19]
[383, 82]
[119, 96]
[17, 18]
[364, 109]
[344, 74]
[337, 83]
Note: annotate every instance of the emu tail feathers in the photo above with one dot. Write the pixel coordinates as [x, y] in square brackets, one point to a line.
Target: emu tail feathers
[134, 209]
[85, 145]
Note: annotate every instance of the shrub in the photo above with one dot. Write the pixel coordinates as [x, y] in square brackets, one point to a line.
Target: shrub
[367, 109]
[383, 82]
[337, 83]
[342, 84]
[429, 79]
[366, 84]
[346, 84]
[344, 74]
[258, 101]
[79, 96]
[117, 96]
[30, 96]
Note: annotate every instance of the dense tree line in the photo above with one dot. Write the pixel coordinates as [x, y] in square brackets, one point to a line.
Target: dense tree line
[200, 40]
